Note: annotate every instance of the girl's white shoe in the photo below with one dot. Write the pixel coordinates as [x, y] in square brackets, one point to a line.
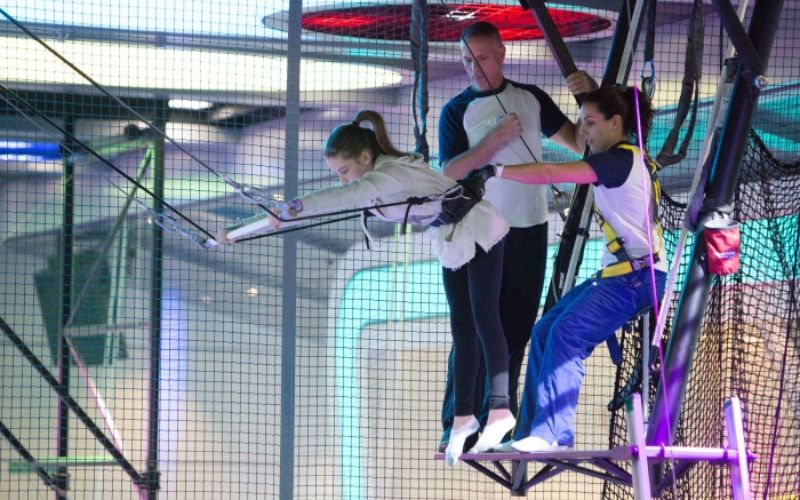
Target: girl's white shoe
[493, 433]
[455, 447]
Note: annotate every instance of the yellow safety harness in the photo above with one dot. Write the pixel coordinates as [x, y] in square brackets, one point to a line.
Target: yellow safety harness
[615, 244]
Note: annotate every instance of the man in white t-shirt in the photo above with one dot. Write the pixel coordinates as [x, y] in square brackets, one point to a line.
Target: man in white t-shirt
[475, 130]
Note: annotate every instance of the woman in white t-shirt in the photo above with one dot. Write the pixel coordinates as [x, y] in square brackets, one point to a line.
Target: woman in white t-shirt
[373, 173]
[634, 266]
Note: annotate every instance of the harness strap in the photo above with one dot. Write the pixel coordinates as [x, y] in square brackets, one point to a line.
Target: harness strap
[690, 84]
[615, 243]
[414, 200]
[626, 267]
[460, 199]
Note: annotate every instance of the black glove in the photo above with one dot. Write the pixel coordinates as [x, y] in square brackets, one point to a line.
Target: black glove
[484, 173]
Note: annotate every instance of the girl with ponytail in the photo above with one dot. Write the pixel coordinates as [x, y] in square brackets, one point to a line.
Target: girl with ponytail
[373, 172]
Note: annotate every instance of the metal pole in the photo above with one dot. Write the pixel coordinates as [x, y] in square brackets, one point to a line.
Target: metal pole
[740, 476]
[634, 416]
[67, 233]
[570, 251]
[719, 190]
[733, 26]
[289, 277]
[26, 455]
[553, 38]
[572, 237]
[419, 55]
[152, 475]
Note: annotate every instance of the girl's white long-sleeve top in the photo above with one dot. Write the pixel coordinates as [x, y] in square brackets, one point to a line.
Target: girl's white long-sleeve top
[395, 179]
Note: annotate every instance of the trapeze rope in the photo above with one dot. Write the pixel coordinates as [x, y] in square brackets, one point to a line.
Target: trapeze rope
[645, 174]
[645, 170]
[93, 153]
[239, 188]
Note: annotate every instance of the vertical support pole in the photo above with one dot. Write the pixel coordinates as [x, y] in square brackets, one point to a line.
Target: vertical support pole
[289, 267]
[67, 241]
[740, 476]
[418, 37]
[636, 435]
[519, 476]
[719, 193]
[570, 250]
[645, 364]
[152, 479]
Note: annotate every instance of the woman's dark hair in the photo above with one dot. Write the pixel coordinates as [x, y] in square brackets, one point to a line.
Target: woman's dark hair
[617, 100]
[350, 139]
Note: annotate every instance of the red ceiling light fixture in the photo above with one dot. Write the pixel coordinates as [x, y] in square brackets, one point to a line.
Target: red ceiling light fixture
[445, 23]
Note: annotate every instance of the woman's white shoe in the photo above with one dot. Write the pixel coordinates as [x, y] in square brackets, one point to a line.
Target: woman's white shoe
[535, 444]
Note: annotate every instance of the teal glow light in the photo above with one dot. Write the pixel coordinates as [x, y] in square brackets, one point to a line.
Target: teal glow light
[369, 298]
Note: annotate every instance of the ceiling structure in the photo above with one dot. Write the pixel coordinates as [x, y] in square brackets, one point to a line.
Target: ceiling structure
[237, 107]
[445, 24]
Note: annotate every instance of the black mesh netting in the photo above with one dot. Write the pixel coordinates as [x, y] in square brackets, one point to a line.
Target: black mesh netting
[749, 345]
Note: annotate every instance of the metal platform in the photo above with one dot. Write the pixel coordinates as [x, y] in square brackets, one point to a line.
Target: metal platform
[605, 464]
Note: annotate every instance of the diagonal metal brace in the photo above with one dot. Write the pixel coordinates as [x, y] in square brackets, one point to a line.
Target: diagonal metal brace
[73, 405]
[740, 39]
[24, 453]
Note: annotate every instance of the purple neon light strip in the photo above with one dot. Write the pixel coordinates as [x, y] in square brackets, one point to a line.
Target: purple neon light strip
[664, 380]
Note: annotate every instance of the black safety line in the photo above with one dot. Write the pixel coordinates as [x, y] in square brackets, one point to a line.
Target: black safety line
[128, 108]
[94, 153]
